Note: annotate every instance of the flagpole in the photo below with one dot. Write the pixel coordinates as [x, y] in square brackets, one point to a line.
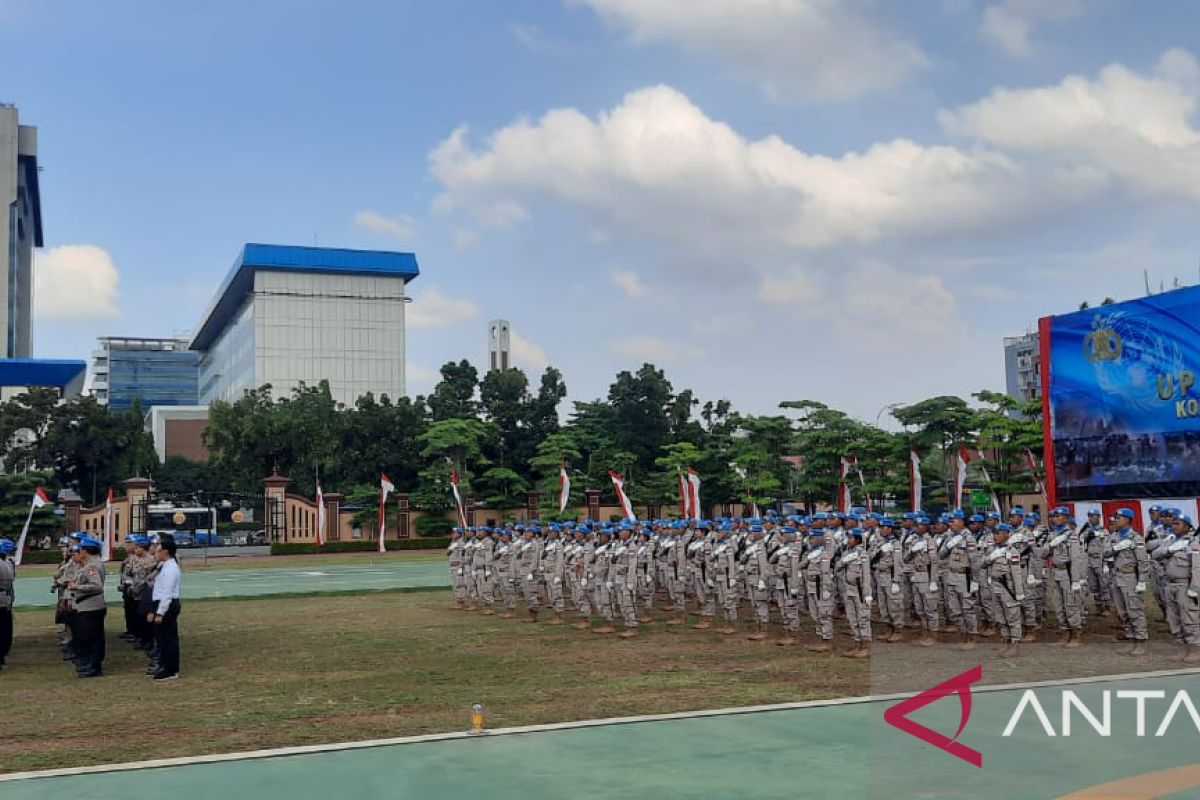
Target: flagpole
[24, 534]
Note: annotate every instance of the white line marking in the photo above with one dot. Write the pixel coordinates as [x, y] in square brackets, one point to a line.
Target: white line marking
[281, 752]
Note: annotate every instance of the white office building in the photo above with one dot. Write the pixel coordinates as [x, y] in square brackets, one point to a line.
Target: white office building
[291, 315]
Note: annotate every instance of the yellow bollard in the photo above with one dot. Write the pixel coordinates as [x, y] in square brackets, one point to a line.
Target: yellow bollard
[477, 718]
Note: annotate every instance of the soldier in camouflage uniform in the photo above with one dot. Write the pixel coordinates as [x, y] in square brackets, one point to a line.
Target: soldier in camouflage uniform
[528, 564]
[789, 582]
[456, 555]
[622, 577]
[1002, 567]
[504, 570]
[855, 582]
[1129, 565]
[819, 587]
[554, 568]
[599, 578]
[759, 575]
[886, 562]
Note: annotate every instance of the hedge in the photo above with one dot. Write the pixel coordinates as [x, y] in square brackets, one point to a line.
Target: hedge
[434, 526]
[363, 546]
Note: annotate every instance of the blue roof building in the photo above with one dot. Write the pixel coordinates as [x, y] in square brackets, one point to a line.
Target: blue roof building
[18, 375]
[291, 315]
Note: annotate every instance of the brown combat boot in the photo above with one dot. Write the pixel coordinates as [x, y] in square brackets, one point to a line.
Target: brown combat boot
[1191, 654]
[606, 628]
[676, 620]
[488, 612]
[863, 650]
[968, 642]
[759, 634]
[823, 647]
[645, 619]
[533, 615]
[1075, 640]
[1010, 649]
[472, 607]
[461, 605]
[507, 613]
[704, 624]
[895, 635]
[1030, 636]
[583, 624]
[788, 640]
[728, 630]
[628, 633]
[1139, 648]
[928, 639]
[558, 620]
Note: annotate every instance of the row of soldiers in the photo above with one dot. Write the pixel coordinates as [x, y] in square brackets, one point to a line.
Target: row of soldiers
[79, 582]
[976, 574]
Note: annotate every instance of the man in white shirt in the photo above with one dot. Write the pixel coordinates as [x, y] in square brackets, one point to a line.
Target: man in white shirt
[165, 616]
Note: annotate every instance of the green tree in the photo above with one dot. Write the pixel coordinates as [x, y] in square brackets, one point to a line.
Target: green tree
[454, 396]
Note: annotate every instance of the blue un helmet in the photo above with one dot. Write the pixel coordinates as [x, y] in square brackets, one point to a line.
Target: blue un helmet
[7, 547]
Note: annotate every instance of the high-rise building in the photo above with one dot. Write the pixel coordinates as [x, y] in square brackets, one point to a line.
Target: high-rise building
[153, 372]
[20, 230]
[292, 315]
[1022, 367]
[498, 344]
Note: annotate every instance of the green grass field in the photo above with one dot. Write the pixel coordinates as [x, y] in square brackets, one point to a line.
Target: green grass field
[302, 670]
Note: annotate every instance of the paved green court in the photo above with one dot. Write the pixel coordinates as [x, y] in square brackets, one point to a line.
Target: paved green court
[209, 583]
[831, 751]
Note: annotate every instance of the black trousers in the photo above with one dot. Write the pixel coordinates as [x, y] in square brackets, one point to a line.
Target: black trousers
[89, 640]
[131, 604]
[6, 633]
[166, 636]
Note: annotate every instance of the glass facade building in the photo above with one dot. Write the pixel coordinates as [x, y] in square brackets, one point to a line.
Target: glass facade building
[153, 372]
[291, 315]
[20, 230]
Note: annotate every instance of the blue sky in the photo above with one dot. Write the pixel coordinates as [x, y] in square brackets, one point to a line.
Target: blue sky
[771, 199]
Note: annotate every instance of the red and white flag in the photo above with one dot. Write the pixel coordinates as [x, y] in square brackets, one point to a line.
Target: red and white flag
[694, 492]
[685, 509]
[320, 515]
[960, 475]
[457, 498]
[862, 481]
[106, 546]
[564, 488]
[1032, 462]
[844, 497]
[462, 515]
[386, 487]
[619, 487]
[914, 478]
[39, 499]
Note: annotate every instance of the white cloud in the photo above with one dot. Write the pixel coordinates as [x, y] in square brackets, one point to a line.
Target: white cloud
[75, 283]
[629, 283]
[534, 39]
[791, 289]
[401, 227]
[1132, 128]
[653, 349]
[527, 354]
[657, 165]
[1011, 23]
[419, 374]
[794, 49]
[432, 309]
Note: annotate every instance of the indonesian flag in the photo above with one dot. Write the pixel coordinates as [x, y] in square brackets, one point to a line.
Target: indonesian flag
[619, 487]
[914, 478]
[960, 475]
[1032, 463]
[694, 492]
[684, 504]
[462, 516]
[987, 477]
[39, 499]
[106, 546]
[844, 497]
[862, 482]
[564, 488]
[386, 487]
[320, 515]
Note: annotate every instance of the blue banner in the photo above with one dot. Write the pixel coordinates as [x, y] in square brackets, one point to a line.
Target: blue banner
[1124, 404]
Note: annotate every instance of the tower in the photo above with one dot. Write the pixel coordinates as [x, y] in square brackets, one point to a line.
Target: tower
[498, 346]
